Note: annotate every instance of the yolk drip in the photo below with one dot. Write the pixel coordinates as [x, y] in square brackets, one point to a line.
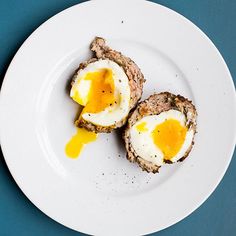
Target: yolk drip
[101, 93]
[142, 127]
[169, 136]
[77, 142]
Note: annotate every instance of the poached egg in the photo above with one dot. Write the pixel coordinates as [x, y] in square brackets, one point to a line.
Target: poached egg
[161, 138]
[102, 88]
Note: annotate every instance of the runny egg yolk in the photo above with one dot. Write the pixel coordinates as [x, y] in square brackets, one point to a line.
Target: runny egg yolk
[77, 142]
[169, 136]
[141, 127]
[101, 92]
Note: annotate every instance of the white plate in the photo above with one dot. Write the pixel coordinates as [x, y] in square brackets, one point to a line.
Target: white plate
[101, 192]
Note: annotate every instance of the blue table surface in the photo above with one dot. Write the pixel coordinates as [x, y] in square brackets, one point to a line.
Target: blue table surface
[18, 216]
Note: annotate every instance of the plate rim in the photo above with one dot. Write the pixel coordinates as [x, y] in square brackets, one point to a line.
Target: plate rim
[198, 204]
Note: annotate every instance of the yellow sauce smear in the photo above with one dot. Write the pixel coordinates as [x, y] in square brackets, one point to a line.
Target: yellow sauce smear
[101, 92]
[142, 127]
[77, 142]
[169, 136]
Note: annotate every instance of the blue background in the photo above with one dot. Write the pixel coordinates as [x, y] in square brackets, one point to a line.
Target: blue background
[18, 216]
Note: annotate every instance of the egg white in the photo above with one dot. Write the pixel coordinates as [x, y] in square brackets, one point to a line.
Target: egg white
[112, 114]
[143, 144]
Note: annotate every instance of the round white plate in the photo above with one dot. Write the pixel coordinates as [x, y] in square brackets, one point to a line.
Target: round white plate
[102, 193]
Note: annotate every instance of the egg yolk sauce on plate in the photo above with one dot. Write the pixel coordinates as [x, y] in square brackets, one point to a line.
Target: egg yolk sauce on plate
[77, 142]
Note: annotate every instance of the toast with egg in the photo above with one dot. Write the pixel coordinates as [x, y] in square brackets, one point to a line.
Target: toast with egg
[108, 85]
[160, 130]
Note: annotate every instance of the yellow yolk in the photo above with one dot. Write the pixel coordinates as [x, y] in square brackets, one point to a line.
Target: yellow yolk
[101, 92]
[77, 142]
[169, 136]
[76, 97]
[142, 127]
